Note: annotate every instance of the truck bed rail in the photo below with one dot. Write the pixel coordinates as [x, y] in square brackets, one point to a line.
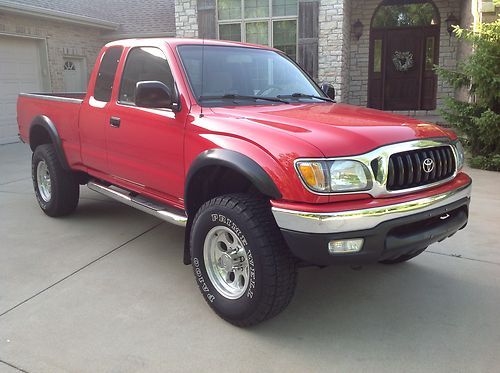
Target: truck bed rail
[75, 97]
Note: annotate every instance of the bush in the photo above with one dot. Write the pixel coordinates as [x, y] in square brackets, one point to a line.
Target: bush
[480, 161]
[478, 119]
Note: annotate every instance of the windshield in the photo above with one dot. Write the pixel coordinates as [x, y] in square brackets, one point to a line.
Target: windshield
[238, 75]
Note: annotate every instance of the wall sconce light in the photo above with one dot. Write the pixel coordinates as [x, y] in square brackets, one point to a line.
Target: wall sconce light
[451, 21]
[357, 29]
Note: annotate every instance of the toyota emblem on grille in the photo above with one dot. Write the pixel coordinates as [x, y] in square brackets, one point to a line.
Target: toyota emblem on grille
[428, 165]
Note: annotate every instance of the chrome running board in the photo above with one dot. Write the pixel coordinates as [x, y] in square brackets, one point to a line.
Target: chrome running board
[166, 213]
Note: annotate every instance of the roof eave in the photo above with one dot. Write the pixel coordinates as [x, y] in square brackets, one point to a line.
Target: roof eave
[29, 10]
[137, 35]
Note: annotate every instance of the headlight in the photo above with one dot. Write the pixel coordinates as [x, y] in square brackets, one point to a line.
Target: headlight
[346, 176]
[335, 176]
[460, 155]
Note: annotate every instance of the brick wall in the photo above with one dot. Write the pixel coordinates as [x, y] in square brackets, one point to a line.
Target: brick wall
[61, 40]
[186, 21]
[359, 50]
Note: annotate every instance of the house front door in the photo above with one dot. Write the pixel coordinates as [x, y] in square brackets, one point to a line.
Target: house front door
[404, 42]
[403, 67]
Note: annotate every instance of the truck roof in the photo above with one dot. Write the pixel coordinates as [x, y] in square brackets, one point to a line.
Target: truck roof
[174, 42]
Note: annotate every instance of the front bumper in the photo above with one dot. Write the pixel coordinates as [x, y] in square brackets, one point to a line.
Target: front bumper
[388, 231]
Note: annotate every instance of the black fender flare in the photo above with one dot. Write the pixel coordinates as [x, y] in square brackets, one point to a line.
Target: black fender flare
[42, 121]
[235, 161]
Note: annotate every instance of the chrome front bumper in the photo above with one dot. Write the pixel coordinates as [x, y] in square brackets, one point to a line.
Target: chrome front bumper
[350, 221]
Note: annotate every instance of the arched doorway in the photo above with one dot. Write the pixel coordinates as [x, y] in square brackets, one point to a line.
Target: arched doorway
[404, 47]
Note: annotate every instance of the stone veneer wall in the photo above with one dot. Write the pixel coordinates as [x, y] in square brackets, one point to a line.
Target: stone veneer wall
[186, 19]
[359, 50]
[489, 11]
[334, 34]
[59, 39]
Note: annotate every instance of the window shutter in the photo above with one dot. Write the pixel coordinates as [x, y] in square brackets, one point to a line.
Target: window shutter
[308, 36]
[207, 22]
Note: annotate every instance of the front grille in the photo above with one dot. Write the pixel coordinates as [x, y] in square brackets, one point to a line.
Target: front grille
[407, 169]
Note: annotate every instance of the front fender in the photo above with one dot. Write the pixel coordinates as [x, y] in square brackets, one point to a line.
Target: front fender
[239, 163]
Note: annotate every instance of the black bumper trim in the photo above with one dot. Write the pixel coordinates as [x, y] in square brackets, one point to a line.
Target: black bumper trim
[388, 240]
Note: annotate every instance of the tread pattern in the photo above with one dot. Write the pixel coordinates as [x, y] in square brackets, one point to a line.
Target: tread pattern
[280, 267]
[65, 188]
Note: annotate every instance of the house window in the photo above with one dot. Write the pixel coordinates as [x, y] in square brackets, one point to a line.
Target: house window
[412, 13]
[265, 22]
[377, 55]
[429, 53]
[69, 66]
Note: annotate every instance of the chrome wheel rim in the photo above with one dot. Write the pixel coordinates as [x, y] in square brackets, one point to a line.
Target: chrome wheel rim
[226, 262]
[43, 181]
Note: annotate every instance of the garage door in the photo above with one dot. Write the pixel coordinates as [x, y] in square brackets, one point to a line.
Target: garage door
[19, 72]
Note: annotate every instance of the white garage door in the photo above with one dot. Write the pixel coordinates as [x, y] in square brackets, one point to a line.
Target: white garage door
[19, 72]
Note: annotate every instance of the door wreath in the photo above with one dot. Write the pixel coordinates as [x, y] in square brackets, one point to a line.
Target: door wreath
[403, 61]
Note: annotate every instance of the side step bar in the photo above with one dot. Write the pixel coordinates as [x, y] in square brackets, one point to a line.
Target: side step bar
[169, 214]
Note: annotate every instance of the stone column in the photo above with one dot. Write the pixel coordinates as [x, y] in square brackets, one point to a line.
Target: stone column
[334, 44]
[186, 19]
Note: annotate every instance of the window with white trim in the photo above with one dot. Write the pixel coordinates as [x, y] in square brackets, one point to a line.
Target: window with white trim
[265, 22]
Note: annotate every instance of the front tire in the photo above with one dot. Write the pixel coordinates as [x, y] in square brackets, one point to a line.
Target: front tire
[241, 263]
[56, 190]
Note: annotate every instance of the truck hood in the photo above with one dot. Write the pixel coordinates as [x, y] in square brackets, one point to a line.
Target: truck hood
[335, 129]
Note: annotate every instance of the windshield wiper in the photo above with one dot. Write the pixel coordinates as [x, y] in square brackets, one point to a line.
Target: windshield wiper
[232, 96]
[303, 95]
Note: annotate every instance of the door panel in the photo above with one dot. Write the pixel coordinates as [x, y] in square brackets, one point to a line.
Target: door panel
[74, 75]
[403, 70]
[94, 113]
[146, 148]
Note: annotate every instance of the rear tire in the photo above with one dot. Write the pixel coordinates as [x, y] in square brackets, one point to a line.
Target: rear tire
[402, 258]
[56, 190]
[242, 265]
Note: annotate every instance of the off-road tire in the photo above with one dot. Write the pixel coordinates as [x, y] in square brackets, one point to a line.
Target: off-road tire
[64, 190]
[272, 286]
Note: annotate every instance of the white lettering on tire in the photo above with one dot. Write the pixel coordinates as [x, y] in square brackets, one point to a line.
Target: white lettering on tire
[201, 280]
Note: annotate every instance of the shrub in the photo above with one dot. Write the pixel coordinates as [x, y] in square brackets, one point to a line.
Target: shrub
[478, 119]
[486, 163]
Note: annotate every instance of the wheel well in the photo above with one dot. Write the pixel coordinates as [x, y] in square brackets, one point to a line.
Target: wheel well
[213, 181]
[39, 136]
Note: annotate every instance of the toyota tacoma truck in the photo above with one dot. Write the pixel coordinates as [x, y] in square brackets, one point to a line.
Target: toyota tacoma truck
[263, 168]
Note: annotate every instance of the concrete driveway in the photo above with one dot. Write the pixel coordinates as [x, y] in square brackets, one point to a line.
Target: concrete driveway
[105, 290]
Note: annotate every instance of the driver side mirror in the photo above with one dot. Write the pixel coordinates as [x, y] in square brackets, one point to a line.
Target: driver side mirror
[154, 95]
[328, 89]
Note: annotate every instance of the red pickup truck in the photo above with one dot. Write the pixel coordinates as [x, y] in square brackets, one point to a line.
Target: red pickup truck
[266, 172]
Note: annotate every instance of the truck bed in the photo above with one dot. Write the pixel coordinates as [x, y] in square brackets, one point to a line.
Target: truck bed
[63, 111]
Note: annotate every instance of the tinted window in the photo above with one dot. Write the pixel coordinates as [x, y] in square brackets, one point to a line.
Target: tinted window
[144, 64]
[242, 71]
[106, 75]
